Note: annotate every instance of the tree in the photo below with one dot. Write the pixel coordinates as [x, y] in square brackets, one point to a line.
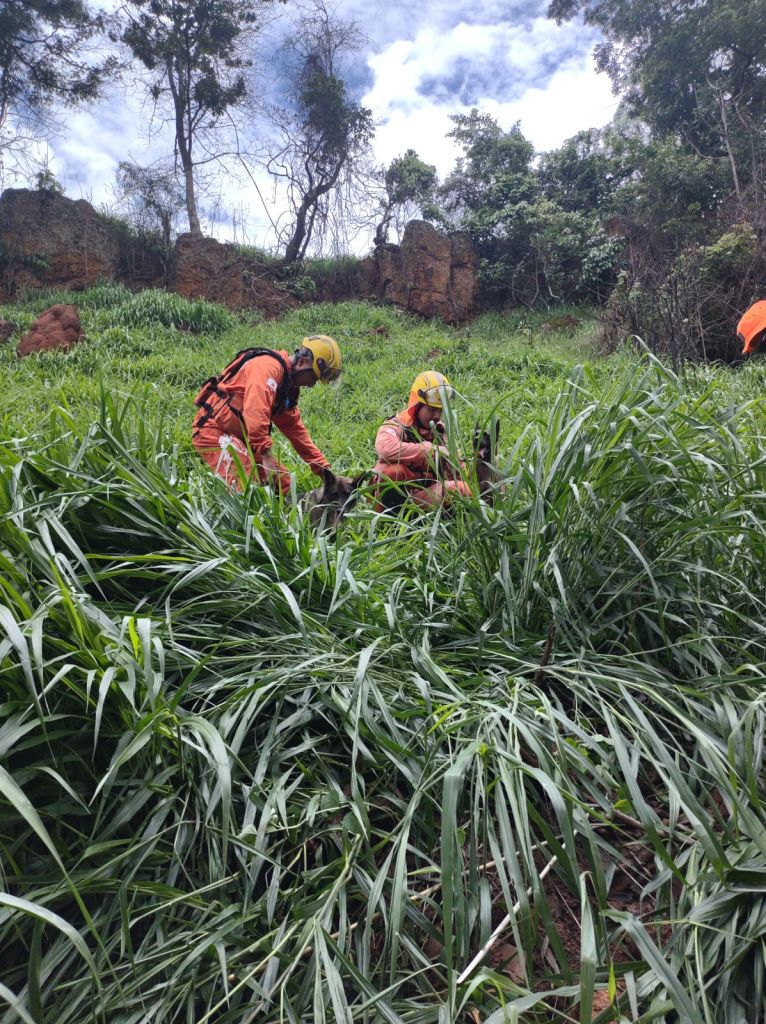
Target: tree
[692, 67]
[530, 246]
[324, 133]
[584, 173]
[44, 58]
[153, 195]
[493, 177]
[193, 51]
[490, 194]
[407, 183]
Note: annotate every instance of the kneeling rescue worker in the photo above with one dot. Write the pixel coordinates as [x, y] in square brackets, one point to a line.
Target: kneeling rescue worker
[410, 447]
[260, 387]
[751, 330]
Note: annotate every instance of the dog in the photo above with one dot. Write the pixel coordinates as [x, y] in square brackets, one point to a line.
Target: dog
[326, 505]
[487, 475]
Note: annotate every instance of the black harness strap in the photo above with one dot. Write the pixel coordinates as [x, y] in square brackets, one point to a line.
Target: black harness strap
[212, 386]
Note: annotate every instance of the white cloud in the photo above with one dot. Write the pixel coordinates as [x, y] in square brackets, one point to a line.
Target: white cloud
[575, 98]
[538, 73]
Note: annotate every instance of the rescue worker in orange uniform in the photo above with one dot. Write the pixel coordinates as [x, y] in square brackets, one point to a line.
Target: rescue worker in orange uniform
[751, 330]
[411, 448]
[259, 387]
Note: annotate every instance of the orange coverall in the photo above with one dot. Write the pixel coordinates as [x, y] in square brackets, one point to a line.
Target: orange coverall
[406, 453]
[244, 416]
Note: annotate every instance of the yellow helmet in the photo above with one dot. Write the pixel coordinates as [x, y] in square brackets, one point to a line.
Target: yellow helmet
[327, 361]
[430, 388]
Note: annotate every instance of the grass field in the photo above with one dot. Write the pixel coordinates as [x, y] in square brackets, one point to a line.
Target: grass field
[505, 765]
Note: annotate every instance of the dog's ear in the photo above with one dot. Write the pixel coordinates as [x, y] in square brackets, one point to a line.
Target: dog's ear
[359, 479]
[497, 431]
[330, 490]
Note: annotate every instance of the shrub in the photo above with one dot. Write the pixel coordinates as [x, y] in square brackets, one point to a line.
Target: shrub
[686, 307]
[171, 310]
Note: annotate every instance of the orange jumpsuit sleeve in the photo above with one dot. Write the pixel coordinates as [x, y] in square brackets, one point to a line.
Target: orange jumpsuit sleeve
[391, 447]
[292, 426]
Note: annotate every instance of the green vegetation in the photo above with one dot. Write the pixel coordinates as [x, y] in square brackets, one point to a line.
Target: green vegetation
[253, 773]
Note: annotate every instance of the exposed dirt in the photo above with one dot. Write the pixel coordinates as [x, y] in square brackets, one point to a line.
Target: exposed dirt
[58, 328]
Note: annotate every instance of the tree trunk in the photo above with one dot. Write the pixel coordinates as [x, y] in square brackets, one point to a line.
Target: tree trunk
[381, 231]
[730, 152]
[301, 235]
[165, 221]
[184, 143]
[299, 231]
[191, 202]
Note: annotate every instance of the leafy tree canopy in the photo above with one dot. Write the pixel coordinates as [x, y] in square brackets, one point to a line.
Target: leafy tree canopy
[677, 63]
[584, 172]
[409, 179]
[195, 42]
[43, 56]
[493, 176]
[409, 184]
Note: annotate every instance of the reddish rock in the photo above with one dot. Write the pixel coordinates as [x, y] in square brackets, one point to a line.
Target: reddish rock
[430, 273]
[203, 268]
[56, 328]
[368, 276]
[49, 239]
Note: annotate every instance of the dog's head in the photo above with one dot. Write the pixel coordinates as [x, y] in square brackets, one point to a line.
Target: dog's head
[485, 443]
[337, 496]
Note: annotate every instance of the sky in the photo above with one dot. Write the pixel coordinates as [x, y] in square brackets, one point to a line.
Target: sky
[421, 63]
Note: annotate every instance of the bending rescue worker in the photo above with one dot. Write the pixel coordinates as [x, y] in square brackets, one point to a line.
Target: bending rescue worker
[260, 387]
[412, 456]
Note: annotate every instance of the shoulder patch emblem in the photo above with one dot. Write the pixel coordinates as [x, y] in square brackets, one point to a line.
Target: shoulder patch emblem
[272, 384]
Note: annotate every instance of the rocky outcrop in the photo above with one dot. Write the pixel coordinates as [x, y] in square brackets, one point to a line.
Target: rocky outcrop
[49, 240]
[58, 328]
[202, 268]
[430, 273]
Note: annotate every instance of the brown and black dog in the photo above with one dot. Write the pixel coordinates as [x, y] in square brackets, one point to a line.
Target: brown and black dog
[327, 504]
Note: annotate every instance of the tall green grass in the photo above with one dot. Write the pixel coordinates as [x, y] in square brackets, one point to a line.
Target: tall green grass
[249, 772]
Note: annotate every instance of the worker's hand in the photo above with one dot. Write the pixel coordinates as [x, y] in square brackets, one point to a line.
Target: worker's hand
[445, 469]
[270, 465]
